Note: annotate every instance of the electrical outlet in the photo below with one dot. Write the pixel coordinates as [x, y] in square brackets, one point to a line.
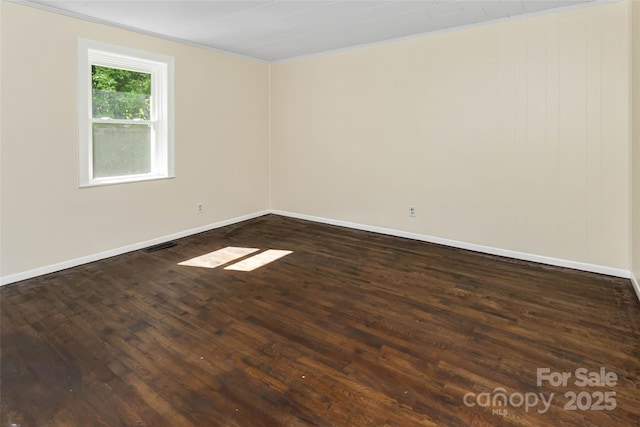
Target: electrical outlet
[200, 208]
[412, 211]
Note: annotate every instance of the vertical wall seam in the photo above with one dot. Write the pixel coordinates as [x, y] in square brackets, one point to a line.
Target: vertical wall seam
[587, 249]
[559, 123]
[270, 169]
[630, 130]
[546, 113]
[601, 163]
[526, 182]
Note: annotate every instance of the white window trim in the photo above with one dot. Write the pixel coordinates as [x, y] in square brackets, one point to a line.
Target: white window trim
[162, 97]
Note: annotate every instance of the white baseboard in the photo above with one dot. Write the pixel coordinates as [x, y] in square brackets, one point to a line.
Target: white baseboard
[636, 285]
[5, 280]
[593, 268]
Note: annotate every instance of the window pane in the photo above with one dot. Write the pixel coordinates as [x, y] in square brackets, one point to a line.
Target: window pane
[121, 149]
[120, 94]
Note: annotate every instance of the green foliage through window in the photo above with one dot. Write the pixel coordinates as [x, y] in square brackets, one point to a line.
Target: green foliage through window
[120, 94]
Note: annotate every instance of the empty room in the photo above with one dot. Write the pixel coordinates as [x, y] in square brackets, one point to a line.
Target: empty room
[320, 213]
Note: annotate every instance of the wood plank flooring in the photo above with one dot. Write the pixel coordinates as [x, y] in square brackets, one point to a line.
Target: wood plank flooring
[351, 329]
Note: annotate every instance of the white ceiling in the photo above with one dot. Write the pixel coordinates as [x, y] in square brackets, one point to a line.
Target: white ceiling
[274, 30]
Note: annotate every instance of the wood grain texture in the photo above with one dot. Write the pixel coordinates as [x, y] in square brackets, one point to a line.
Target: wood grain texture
[351, 329]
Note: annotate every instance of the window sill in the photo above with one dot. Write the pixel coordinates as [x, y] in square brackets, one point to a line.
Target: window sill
[125, 180]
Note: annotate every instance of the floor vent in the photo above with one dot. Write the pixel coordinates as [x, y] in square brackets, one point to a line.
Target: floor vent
[159, 247]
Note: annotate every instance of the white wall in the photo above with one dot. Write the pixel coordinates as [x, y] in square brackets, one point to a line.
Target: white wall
[222, 121]
[513, 135]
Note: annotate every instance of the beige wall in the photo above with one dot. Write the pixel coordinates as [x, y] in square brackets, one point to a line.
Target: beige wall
[221, 119]
[635, 268]
[513, 135]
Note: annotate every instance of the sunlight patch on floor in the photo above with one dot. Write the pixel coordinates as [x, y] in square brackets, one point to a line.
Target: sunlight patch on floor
[259, 260]
[217, 258]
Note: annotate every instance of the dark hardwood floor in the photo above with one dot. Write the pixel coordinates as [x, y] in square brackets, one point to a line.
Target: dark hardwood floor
[351, 329]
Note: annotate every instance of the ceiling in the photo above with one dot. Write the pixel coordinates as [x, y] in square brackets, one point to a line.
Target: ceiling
[274, 30]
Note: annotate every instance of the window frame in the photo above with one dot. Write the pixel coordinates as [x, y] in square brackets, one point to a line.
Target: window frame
[161, 118]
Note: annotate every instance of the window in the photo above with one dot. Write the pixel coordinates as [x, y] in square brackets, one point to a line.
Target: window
[125, 113]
